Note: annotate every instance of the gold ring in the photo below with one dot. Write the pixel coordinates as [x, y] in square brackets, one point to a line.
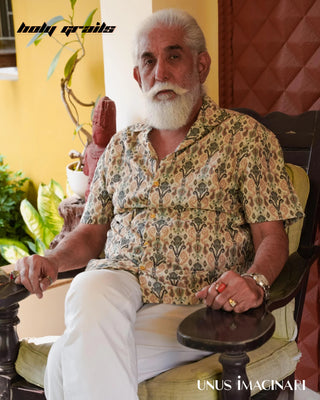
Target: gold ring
[232, 303]
[49, 279]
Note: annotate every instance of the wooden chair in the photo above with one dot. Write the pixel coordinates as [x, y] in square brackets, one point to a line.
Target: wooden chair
[300, 140]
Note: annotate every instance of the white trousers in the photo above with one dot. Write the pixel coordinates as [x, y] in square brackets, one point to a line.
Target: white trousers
[112, 341]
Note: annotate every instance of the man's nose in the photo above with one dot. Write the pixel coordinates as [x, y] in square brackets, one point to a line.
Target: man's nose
[162, 71]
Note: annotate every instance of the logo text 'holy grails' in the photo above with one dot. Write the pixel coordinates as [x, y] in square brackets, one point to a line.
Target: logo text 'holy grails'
[67, 29]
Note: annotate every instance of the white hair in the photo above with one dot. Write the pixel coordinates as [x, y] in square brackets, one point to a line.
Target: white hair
[172, 17]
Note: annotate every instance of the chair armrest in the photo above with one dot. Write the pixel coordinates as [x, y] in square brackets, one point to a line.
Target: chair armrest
[232, 335]
[71, 273]
[11, 293]
[290, 279]
[219, 330]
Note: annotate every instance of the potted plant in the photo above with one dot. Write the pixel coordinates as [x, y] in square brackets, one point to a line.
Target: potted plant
[41, 224]
[75, 44]
[14, 187]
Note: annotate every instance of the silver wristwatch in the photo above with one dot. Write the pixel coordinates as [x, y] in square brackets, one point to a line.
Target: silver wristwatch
[262, 281]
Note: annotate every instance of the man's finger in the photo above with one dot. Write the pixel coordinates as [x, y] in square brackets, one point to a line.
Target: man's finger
[46, 282]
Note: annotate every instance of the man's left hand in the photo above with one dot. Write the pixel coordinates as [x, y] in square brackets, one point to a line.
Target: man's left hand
[232, 292]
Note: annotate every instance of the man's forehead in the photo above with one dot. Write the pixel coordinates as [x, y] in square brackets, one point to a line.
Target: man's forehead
[166, 39]
[146, 52]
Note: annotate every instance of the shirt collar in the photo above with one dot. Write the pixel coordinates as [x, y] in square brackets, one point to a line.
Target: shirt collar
[210, 116]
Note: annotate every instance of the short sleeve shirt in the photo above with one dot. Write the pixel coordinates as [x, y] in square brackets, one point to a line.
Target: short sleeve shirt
[179, 223]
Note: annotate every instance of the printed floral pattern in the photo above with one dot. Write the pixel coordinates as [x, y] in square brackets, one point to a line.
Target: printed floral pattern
[178, 224]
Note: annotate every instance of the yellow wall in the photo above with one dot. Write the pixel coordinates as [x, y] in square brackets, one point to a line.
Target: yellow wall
[36, 133]
[206, 13]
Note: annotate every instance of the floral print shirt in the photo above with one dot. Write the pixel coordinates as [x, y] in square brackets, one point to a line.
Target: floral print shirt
[179, 223]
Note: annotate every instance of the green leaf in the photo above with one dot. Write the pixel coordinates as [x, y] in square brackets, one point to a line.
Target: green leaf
[73, 2]
[55, 20]
[95, 104]
[31, 246]
[12, 253]
[48, 237]
[33, 220]
[54, 63]
[36, 39]
[68, 69]
[40, 247]
[48, 203]
[57, 188]
[13, 242]
[88, 20]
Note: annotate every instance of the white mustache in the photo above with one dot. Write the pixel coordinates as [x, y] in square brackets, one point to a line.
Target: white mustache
[159, 86]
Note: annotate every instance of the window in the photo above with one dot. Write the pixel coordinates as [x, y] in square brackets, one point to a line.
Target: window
[7, 41]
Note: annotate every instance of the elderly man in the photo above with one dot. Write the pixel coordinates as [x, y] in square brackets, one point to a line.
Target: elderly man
[189, 209]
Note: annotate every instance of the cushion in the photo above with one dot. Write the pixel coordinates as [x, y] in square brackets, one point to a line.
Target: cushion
[275, 360]
[300, 182]
[32, 358]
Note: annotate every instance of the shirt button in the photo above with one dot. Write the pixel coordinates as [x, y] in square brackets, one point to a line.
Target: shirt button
[156, 183]
[152, 216]
[142, 267]
[146, 244]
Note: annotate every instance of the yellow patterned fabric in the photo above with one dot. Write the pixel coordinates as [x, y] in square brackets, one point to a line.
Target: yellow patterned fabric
[179, 223]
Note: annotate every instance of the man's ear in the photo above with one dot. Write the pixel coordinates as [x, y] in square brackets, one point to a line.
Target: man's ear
[136, 75]
[204, 62]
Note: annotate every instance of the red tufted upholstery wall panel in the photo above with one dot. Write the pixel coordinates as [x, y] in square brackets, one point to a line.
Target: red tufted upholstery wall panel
[269, 55]
[269, 60]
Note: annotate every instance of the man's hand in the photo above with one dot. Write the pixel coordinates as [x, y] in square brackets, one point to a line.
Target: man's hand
[232, 292]
[36, 273]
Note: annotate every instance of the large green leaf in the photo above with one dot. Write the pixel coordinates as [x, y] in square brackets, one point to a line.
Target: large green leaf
[88, 20]
[40, 247]
[13, 242]
[12, 253]
[33, 220]
[48, 203]
[57, 188]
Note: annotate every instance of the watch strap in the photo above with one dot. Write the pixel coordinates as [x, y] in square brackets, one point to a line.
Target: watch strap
[261, 281]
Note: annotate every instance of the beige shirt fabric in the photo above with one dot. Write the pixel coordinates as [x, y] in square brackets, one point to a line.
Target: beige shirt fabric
[179, 223]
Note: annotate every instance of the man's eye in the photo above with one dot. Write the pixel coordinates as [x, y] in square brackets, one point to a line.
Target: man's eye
[148, 61]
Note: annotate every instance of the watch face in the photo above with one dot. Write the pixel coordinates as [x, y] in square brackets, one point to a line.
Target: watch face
[261, 279]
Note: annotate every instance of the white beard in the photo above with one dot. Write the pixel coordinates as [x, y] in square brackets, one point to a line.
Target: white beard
[170, 114]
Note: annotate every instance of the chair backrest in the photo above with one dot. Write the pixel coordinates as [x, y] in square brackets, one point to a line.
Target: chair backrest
[299, 136]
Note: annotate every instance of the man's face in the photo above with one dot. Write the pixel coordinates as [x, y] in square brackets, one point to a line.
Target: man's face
[164, 57]
[168, 72]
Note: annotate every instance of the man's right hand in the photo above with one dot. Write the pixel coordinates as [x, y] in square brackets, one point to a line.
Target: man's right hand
[36, 273]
